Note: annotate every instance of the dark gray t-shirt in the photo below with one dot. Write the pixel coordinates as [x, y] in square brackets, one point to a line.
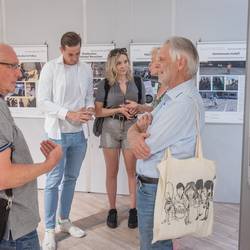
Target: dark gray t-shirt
[24, 214]
[115, 96]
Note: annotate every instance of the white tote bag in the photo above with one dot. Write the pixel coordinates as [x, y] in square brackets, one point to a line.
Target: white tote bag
[184, 199]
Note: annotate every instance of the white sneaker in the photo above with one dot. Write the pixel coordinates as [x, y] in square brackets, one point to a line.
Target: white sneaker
[66, 226]
[49, 242]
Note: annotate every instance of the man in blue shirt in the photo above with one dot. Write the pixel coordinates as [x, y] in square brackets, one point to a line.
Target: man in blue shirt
[172, 124]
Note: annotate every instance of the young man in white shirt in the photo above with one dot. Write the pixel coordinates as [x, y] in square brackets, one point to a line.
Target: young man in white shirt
[65, 95]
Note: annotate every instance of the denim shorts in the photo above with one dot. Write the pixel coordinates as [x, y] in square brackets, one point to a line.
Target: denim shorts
[114, 133]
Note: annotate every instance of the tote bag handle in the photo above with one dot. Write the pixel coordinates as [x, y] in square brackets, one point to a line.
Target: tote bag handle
[198, 146]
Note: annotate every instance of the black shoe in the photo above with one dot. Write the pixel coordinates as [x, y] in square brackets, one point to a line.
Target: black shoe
[112, 218]
[132, 219]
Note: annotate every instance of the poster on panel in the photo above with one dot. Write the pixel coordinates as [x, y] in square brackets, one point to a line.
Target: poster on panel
[22, 102]
[221, 80]
[140, 57]
[96, 55]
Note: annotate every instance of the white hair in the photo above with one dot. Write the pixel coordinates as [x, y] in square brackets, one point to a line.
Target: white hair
[180, 46]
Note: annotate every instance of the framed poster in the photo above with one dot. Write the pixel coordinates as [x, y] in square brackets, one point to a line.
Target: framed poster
[221, 80]
[96, 55]
[22, 102]
[140, 57]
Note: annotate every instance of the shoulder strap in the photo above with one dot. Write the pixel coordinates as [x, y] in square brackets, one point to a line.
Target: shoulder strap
[106, 88]
[138, 83]
[8, 192]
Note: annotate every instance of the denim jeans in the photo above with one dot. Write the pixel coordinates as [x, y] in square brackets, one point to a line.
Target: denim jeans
[146, 194]
[29, 241]
[65, 174]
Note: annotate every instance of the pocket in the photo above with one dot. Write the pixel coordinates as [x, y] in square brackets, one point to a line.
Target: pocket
[145, 189]
[30, 241]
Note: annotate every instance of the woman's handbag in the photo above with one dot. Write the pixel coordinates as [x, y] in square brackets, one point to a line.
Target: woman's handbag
[184, 199]
[97, 126]
[98, 122]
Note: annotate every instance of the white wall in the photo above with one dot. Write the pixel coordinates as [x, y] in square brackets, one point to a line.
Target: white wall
[34, 22]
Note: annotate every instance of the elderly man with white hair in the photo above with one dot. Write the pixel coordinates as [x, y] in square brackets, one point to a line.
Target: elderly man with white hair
[172, 125]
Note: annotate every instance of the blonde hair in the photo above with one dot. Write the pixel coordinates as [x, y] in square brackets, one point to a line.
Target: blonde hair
[180, 46]
[154, 53]
[111, 70]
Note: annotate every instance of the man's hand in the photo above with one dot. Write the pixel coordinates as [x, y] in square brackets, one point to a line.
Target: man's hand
[52, 152]
[144, 121]
[83, 115]
[137, 143]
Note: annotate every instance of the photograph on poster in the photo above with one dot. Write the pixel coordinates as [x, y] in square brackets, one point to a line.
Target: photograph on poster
[98, 69]
[221, 80]
[219, 101]
[232, 82]
[205, 83]
[218, 83]
[12, 102]
[222, 68]
[19, 90]
[30, 89]
[30, 71]
[22, 102]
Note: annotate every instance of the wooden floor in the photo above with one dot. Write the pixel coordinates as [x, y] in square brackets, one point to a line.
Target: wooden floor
[89, 212]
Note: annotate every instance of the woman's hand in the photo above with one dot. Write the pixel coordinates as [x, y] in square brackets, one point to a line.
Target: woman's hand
[125, 111]
[132, 106]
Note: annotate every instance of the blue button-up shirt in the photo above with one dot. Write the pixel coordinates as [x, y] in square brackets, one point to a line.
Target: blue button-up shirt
[174, 126]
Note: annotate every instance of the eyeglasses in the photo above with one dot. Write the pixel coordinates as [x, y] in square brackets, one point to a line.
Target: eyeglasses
[117, 51]
[11, 65]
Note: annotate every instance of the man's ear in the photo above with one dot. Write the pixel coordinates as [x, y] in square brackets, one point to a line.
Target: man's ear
[182, 63]
[61, 49]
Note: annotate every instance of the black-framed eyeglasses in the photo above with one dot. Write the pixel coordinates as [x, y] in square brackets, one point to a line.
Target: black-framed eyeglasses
[11, 65]
[117, 51]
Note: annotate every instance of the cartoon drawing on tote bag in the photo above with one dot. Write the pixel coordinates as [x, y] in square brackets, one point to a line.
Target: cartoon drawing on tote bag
[188, 203]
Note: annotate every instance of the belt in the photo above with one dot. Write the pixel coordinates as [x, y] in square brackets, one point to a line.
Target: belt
[119, 117]
[148, 180]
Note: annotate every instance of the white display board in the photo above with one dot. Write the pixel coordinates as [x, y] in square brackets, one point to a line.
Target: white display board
[22, 102]
[221, 80]
[96, 55]
[140, 56]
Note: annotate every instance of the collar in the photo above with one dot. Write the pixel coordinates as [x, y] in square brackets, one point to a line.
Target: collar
[59, 60]
[179, 89]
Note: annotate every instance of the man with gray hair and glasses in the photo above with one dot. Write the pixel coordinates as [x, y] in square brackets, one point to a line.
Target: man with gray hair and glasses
[172, 124]
[19, 216]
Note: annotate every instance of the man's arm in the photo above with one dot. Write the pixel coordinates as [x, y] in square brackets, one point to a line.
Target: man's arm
[135, 108]
[136, 138]
[44, 94]
[15, 175]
